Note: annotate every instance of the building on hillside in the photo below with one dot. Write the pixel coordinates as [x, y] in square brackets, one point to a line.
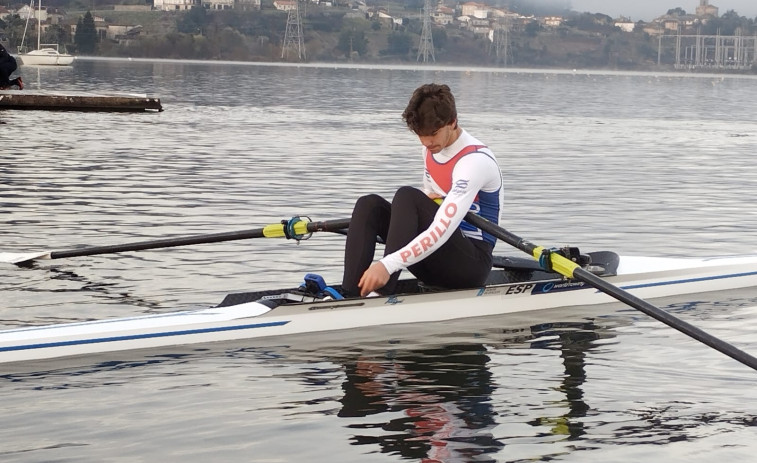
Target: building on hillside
[624, 24]
[500, 13]
[553, 21]
[56, 16]
[385, 18]
[705, 9]
[479, 26]
[443, 15]
[218, 4]
[247, 5]
[33, 13]
[175, 5]
[132, 7]
[476, 10]
[285, 5]
[122, 33]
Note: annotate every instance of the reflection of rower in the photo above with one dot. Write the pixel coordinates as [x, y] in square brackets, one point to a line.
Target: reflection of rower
[444, 395]
[575, 338]
[438, 402]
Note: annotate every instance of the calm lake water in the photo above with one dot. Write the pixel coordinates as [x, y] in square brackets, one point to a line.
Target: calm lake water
[639, 163]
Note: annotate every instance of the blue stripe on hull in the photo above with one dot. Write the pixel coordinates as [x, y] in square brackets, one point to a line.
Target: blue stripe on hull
[690, 280]
[132, 337]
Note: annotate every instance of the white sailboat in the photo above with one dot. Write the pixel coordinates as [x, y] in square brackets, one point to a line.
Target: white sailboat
[46, 54]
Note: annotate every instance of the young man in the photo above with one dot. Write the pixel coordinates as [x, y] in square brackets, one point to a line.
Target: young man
[430, 240]
[7, 67]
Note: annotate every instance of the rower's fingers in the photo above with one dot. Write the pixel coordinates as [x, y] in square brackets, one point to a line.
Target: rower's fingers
[375, 277]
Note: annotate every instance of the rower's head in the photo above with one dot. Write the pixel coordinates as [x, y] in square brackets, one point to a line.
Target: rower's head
[432, 115]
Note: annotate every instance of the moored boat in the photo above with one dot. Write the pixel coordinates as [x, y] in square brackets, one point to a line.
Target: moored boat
[46, 56]
[516, 285]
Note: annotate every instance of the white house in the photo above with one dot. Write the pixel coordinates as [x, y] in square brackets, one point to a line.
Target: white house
[624, 24]
[443, 15]
[173, 5]
[285, 5]
[553, 21]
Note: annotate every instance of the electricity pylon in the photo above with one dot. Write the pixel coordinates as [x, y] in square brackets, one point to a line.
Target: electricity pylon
[426, 47]
[293, 39]
[501, 43]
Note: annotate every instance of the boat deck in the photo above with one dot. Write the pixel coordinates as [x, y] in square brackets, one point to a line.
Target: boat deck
[78, 101]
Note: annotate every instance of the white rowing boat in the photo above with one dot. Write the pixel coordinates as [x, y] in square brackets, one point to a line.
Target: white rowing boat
[287, 313]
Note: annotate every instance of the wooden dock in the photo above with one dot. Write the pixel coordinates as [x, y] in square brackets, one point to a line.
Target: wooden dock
[71, 101]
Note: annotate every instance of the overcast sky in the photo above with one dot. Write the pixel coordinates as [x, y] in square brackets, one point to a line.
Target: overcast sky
[647, 10]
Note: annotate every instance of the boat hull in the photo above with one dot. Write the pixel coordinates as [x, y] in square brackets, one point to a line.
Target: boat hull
[46, 57]
[248, 320]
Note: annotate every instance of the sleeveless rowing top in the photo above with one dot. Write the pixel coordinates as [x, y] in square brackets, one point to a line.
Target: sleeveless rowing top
[486, 204]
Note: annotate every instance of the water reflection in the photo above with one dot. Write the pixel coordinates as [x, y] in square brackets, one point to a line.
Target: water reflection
[438, 403]
[574, 341]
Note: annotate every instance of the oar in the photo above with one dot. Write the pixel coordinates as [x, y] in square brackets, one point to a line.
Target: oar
[572, 270]
[289, 229]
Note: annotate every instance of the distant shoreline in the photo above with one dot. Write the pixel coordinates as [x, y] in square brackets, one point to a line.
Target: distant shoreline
[429, 67]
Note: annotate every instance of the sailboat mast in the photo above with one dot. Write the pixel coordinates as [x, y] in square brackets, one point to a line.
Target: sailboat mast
[39, 25]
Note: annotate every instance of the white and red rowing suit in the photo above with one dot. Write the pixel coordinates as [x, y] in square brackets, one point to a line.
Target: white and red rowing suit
[467, 176]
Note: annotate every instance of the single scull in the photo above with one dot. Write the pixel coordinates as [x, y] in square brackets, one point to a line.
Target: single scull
[516, 286]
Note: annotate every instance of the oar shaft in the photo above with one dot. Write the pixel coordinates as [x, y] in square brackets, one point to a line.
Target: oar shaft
[570, 269]
[161, 243]
[665, 317]
[269, 231]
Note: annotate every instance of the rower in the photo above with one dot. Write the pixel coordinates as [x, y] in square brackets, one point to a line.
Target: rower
[431, 241]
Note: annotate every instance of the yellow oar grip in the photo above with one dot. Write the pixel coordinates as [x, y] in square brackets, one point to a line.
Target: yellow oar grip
[301, 227]
[560, 264]
[276, 230]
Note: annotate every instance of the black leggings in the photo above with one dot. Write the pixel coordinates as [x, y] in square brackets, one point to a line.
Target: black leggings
[7, 66]
[459, 263]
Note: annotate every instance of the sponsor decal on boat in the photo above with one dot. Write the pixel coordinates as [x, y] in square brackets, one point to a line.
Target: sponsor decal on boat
[553, 287]
[521, 288]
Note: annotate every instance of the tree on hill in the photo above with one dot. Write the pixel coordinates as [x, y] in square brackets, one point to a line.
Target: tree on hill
[352, 37]
[193, 22]
[86, 35]
[399, 45]
[677, 12]
[730, 23]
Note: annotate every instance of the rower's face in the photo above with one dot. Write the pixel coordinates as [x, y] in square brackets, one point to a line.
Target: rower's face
[442, 138]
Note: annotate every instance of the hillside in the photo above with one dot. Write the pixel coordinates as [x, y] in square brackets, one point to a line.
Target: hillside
[342, 33]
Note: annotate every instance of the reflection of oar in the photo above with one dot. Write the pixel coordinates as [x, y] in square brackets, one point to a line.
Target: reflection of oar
[295, 228]
[570, 269]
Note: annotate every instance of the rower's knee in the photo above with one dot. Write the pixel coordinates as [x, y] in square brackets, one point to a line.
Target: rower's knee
[408, 193]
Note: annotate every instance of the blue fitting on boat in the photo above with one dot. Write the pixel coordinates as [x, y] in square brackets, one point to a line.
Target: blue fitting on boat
[332, 292]
[316, 285]
[289, 228]
[545, 259]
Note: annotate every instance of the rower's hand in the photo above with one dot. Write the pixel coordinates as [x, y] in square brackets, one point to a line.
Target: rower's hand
[374, 278]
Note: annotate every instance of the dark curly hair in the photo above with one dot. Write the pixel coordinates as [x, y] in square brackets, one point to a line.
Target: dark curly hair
[431, 107]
